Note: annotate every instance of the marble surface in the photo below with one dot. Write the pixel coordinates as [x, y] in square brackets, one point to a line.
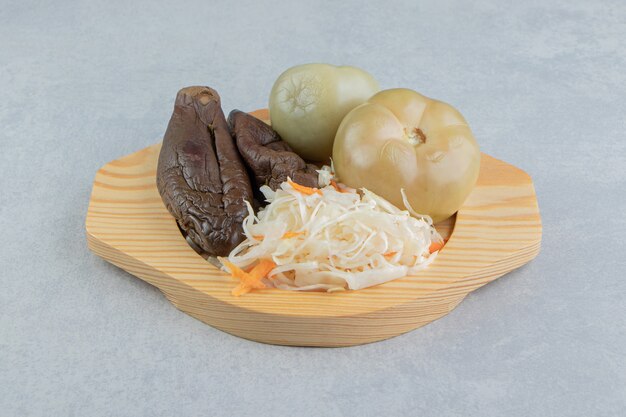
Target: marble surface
[543, 85]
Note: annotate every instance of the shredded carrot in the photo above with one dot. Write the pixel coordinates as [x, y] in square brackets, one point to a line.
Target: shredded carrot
[285, 236]
[337, 187]
[291, 234]
[249, 280]
[234, 270]
[240, 290]
[389, 254]
[303, 189]
[261, 269]
[435, 246]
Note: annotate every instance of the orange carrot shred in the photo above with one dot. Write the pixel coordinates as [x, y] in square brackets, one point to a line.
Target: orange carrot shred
[389, 254]
[240, 290]
[249, 280]
[303, 189]
[336, 187]
[234, 270]
[261, 269]
[291, 234]
[287, 235]
[435, 246]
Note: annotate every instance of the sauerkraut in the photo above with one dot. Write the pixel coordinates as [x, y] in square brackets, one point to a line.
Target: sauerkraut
[332, 238]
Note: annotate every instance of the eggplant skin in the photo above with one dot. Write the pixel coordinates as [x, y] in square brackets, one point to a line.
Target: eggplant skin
[269, 158]
[200, 175]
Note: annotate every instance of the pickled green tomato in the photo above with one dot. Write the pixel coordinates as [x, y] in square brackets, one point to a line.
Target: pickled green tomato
[402, 139]
[308, 102]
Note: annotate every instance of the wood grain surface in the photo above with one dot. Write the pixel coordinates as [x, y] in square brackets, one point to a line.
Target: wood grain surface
[497, 230]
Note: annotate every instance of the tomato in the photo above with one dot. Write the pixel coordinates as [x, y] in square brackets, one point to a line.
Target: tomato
[308, 102]
[400, 139]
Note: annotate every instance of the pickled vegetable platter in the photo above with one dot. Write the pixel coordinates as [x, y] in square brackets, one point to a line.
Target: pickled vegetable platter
[281, 238]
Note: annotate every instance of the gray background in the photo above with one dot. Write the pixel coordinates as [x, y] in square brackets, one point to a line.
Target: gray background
[543, 85]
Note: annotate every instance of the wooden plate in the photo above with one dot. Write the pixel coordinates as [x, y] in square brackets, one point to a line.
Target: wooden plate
[497, 230]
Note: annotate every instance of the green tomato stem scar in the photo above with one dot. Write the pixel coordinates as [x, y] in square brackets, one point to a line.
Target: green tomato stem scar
[416, 136]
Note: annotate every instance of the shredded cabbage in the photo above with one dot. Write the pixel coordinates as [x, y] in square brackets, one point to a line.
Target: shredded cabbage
[334, 239]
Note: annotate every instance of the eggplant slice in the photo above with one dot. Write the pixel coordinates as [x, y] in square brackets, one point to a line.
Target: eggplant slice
[270, 159]
[200, 175]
